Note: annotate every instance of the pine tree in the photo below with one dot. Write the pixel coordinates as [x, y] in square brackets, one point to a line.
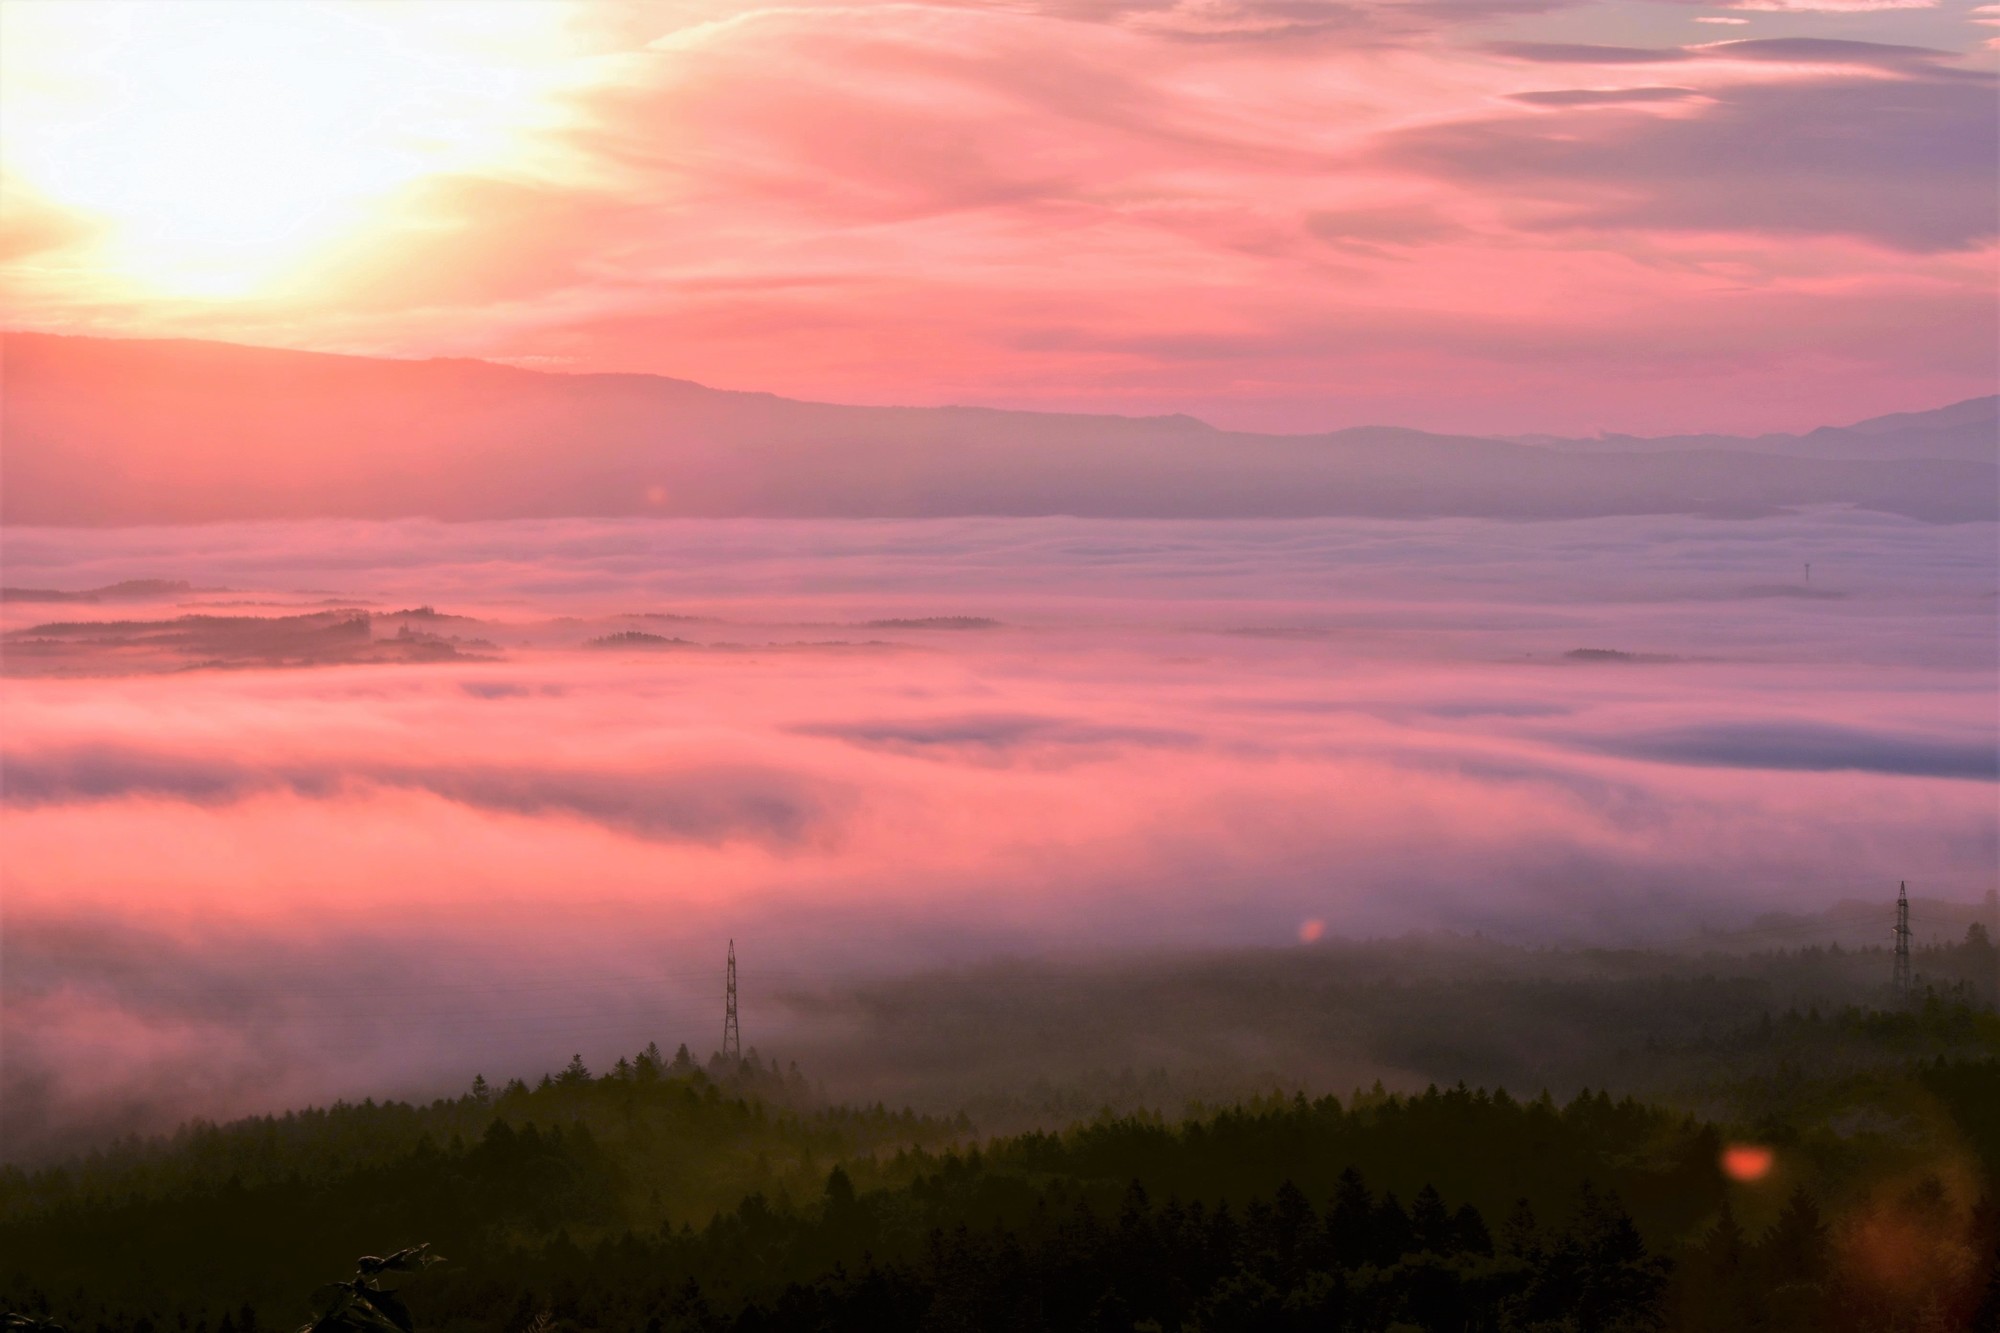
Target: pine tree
[1468, 1231]
[1392, 1236]
[1795, 1248]
[839, 1192]
[1430, 1224]
[1520, 1234]
[1722, 1249]
[1348, 1221]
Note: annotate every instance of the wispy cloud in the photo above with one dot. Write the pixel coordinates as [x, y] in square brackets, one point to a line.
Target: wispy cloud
[701, 803]
[1903, 163]
[1603, 96]
[999, 737]
[1814, 747]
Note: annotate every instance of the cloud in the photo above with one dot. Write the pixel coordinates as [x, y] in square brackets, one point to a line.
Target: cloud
[1375, 227]
[117, 1027]
[1907, 164]
[31, 226]
[1829, 51]
[506, 689]
[1811, 747]
[231, 892]
[997, 737]
[1604, 96]
[1587, 53]
[704, 803]
[1768, 50]
[1280, 20]
[1240, 20]
[102, 773]
[1496, 708]
[1831, 6]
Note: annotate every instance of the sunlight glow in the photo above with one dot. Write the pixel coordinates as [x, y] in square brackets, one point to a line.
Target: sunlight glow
[215, 147]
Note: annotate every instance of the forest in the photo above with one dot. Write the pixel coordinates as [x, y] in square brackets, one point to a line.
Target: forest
[1851, 1183]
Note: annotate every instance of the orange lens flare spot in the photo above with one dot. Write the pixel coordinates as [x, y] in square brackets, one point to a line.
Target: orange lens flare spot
[1747, 1161]
[1311, 930]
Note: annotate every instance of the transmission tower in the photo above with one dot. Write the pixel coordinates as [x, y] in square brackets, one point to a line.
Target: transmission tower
[1900, 979]
[732, 1040]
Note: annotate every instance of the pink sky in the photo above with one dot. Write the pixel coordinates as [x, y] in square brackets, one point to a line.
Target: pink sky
[1512, 215]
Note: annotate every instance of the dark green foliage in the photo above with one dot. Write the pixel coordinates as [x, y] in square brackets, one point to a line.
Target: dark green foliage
[261, 1209]
[1261, 1215]
[659, 1198]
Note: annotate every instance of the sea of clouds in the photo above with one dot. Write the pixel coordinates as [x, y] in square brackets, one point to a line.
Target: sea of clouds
[232, 889]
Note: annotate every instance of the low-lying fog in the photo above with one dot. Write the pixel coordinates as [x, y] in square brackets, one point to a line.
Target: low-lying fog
[369, 848]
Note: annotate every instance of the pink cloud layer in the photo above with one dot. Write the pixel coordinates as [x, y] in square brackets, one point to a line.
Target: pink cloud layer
[231, 889]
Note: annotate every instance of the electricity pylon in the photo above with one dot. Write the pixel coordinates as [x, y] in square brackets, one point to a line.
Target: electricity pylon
[1900, 978]
[732, 1040]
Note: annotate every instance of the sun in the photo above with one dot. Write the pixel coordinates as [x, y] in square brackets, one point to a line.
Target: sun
[212, 148]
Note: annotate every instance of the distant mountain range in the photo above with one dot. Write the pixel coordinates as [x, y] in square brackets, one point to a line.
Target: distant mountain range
[102, 431]
[1969, 430]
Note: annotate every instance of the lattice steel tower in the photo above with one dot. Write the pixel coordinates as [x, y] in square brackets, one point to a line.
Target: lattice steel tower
[732, 1040]
[1900, 979]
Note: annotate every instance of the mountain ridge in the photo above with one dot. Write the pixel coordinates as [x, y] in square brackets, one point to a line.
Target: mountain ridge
[1968, 430]
[106, 431]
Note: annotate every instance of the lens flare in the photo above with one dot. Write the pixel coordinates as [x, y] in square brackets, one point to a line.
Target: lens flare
[1747, 1162]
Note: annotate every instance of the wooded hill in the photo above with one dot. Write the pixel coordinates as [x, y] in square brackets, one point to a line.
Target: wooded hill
[661, 1196]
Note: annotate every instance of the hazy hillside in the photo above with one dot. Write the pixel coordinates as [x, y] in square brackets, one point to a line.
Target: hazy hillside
[100, 432]
[727, 1196]
[1969, 430]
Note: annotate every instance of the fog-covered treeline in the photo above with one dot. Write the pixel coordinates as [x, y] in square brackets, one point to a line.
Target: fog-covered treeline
[666, 1194]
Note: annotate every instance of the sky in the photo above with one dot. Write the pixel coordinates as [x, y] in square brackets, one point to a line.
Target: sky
[1470, 215]
[233, 886]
